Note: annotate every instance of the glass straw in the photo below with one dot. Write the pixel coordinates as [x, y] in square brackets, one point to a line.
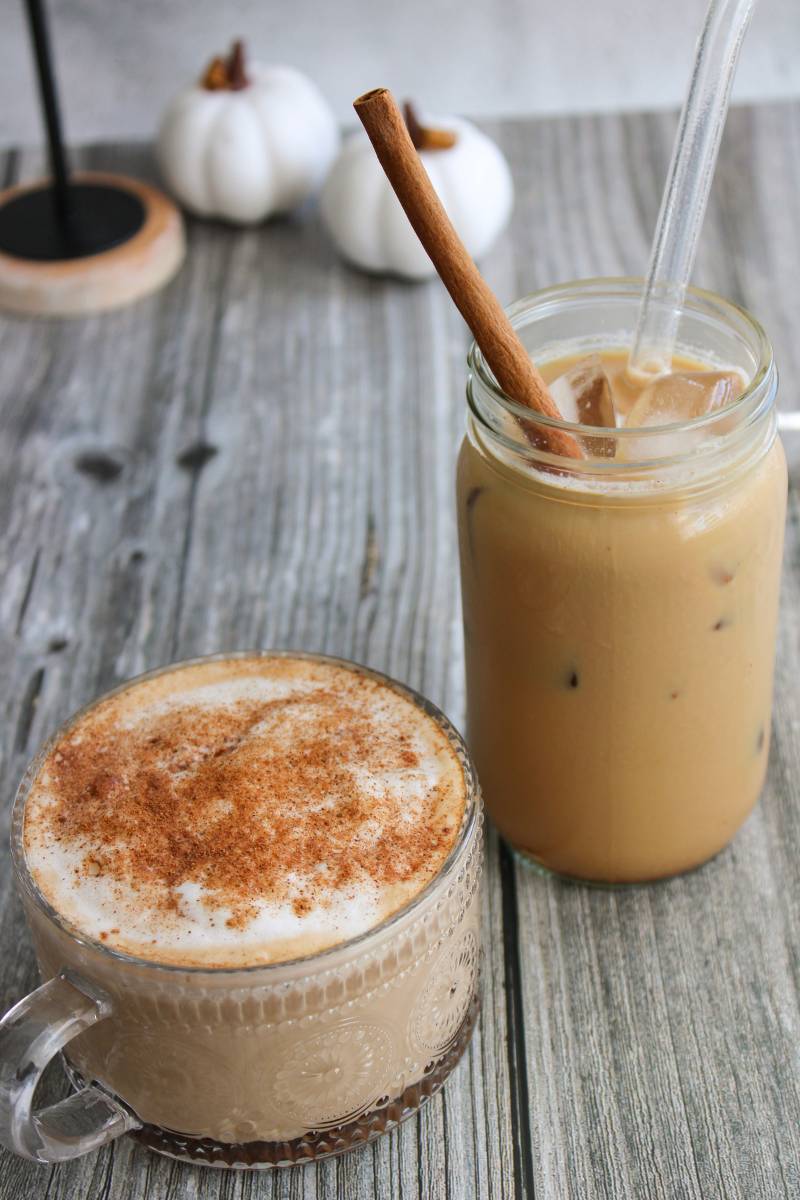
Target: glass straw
[691, 171]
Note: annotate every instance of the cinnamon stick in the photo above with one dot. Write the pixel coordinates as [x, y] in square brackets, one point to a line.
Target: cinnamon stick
[475, 300]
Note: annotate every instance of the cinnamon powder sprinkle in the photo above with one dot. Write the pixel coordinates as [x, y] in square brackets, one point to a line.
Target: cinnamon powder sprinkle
[288, 799]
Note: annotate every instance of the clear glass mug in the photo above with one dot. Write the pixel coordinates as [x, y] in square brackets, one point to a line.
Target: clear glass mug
[620, 611]
[252, 1067]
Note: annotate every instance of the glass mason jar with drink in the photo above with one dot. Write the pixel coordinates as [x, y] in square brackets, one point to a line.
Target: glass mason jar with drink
[620, 608]
[620, 515]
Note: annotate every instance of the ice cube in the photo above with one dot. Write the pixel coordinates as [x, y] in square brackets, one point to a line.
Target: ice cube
[672, 400]
[683, 396]
[583, 395]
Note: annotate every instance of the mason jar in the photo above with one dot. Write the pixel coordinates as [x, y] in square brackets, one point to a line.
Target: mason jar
[620, 609]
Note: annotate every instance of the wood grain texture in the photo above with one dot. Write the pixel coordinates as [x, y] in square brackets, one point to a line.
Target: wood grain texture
[262, 455]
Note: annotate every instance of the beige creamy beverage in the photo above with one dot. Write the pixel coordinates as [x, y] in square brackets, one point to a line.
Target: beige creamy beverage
[619, 633]
[201, 830]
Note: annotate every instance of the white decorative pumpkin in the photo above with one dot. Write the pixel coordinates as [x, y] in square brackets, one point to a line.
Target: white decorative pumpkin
[366, 221]
[243, 145]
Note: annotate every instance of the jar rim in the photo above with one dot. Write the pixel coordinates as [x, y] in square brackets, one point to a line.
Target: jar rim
[697, 300]
[471, 823]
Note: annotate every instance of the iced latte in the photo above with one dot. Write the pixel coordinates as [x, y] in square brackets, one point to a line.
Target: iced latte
[620, 610]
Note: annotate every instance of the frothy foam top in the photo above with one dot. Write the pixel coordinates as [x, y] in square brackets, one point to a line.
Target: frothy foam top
[243, 811]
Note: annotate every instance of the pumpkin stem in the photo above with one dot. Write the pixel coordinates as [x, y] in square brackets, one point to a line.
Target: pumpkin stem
[423, 137]
[236, 72]
[226, 74]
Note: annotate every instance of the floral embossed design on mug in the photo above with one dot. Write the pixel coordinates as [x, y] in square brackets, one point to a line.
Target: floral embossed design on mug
[441, 1007]
[332, 1077]
[166, 1068]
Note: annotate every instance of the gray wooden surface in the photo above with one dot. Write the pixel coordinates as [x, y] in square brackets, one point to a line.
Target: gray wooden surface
[262, 455]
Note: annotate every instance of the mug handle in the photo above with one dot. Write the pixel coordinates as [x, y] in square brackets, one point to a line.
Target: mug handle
[31, 1033]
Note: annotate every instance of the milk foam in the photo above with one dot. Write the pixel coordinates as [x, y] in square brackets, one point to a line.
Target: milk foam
[413, 785]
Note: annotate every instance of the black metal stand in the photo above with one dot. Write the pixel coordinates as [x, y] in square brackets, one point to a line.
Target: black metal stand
[63, 219]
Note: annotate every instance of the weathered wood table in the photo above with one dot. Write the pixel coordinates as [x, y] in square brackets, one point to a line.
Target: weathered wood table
[262, 455]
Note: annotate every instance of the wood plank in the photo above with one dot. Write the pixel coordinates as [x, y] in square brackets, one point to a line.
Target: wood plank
[661, 1023]
[301, 528]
